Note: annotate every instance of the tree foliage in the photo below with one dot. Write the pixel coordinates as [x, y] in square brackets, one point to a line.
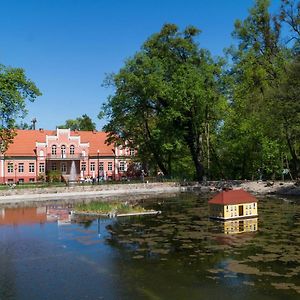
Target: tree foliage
[81, 123]
[15, 89]
[178, 106]
[165, 97]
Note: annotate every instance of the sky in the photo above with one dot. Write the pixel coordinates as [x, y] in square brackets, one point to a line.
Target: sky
[67, 47]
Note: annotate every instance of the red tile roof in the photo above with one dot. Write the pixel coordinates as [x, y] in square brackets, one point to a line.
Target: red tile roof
[24, 142]
[229, 197]
[96, 140]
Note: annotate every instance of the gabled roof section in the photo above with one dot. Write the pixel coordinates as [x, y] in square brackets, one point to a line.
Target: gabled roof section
[229, 197]
[96, 139]
[24, 143]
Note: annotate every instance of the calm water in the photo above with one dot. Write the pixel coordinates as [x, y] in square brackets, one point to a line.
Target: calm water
[179, 254]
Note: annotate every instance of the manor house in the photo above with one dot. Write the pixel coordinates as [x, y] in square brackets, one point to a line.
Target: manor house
[77, 155]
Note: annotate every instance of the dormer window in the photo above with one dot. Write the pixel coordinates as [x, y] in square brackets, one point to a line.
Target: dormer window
[72, 150]
[53, 150]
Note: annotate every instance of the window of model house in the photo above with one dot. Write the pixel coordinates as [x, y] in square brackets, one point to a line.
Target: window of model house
[101, 166]
[41, 167]
[53, 150]
[10, 168]
[92, 166]
[83, 167]
[21, 168]
[72, 150]
[53, 167]
[131, 151]
[31, 167]
[109, 166]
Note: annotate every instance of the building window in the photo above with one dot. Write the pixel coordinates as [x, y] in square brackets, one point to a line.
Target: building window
[31, 179]
[92, 166]
[63, 168]
[227, 208]
[253, 205]
[83, 167]
[10, 168]
[53, 167]
[21, 168]
[109, 166]
[21, 180]
[72, 150]
[31, 167]
[131, 152]
[41, 167]
[41, 154]
[63, 151]
[53, 150]
[122, 166]
[101, 166]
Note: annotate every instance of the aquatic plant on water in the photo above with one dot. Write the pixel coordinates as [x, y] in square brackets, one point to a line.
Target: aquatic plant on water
[109, 207]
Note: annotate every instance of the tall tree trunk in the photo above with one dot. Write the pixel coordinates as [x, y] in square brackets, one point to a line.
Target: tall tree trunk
[193, 140]
[295, 159]
[154, 151]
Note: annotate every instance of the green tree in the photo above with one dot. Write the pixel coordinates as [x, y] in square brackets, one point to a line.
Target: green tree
[15, 89]
[248, 138]
[165, 97]
[81, 123]
[287, 111]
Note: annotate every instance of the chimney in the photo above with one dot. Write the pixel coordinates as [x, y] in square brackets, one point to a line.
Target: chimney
[33, 121]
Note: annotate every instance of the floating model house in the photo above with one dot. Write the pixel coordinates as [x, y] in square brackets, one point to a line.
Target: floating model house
[233, 204]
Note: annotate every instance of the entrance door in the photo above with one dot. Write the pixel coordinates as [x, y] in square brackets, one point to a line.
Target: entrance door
[241, 210]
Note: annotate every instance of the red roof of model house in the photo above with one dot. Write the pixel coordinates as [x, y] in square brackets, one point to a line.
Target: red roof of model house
[229, 197]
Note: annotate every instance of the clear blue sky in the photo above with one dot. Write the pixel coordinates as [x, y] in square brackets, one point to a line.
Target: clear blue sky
[67, 46]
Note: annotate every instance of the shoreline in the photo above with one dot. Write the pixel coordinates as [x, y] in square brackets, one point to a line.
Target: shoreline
[82, 193]
[140, 191]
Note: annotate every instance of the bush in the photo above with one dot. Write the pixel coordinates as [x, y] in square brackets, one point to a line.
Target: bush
[54, 176]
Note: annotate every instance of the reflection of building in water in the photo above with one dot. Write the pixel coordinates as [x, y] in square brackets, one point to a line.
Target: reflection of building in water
[240, 225]
[34, 215]
[233, 204]
[21, 216]
[59, 214]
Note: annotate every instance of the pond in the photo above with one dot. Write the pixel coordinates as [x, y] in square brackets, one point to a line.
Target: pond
[179, 254]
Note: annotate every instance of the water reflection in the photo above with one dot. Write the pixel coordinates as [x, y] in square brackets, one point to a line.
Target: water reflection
[179, 254]
[240, 226]
[35, 215]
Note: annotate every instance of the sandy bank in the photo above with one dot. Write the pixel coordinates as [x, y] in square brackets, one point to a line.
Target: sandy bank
[112, 191]
[287, 188]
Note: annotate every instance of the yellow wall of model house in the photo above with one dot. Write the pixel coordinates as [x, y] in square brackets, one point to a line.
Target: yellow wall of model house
[233, 211]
